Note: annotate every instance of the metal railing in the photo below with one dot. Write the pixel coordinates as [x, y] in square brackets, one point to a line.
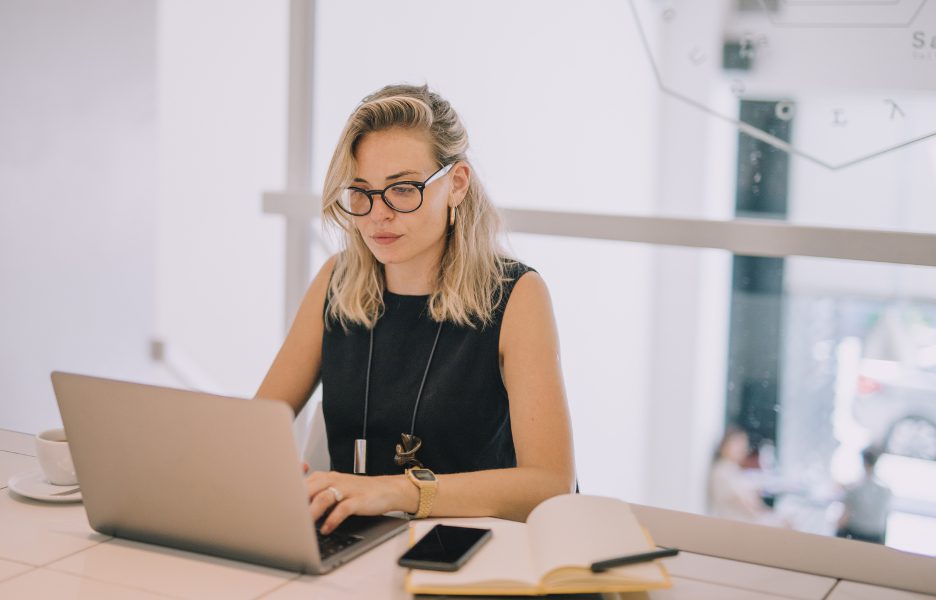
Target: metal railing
[747, 237]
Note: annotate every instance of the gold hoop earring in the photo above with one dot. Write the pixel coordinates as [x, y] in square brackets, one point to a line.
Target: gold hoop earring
[452, 217]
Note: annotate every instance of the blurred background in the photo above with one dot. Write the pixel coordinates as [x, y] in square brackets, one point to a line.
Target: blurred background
[160, 160]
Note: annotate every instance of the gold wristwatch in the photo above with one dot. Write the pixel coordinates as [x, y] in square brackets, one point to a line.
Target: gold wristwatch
[426, 481]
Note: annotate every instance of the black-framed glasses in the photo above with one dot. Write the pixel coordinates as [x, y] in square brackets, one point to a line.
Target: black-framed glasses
[402, 196]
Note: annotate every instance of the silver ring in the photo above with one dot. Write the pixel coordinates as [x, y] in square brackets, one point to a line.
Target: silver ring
[337, 494]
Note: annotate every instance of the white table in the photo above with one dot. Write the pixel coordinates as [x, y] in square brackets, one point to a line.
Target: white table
[49, 551]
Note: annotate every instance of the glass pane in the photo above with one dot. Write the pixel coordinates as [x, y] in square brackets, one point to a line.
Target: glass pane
[639, 105]
[664, 348]
[847, 137]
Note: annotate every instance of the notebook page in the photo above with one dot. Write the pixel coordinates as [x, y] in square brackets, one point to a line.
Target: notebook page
[504, 558]
[577, 530]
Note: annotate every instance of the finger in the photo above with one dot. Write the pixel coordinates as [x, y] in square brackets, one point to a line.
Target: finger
[320, 504]
[323, 476]
[305, 468]
[342, 511]
[318, 482]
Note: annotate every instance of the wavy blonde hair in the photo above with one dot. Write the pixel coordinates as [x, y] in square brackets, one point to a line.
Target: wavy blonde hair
[470, 281]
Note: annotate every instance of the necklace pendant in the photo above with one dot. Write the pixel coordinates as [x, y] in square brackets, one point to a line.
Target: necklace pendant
[360, 457]
[406, 452]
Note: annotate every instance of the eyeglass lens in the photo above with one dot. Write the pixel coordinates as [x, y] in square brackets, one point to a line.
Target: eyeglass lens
[404, 197]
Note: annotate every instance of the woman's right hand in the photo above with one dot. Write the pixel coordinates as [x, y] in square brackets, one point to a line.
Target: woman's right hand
[340, 495]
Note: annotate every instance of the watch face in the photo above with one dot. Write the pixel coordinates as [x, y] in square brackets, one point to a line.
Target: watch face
[423, 474]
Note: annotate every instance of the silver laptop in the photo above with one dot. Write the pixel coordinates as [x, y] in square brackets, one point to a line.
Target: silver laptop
[200, 472]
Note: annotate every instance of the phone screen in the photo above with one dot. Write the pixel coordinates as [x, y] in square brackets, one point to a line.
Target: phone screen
[445, 547]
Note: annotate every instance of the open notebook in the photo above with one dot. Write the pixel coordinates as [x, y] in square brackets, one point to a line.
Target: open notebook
[551, 553]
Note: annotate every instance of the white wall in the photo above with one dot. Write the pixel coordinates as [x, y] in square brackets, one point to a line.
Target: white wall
[137, 140]
[77, 197]
[222, 141]
[551, 92]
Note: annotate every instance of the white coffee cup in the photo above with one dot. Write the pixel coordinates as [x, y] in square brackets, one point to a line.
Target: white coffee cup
[55, 458]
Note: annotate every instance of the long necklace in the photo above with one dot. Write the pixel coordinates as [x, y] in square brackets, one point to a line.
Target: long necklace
[410, 444]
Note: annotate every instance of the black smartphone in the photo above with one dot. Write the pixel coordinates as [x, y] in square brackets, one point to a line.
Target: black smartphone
[445, 548]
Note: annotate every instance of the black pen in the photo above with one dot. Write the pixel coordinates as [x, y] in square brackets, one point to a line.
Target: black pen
[604, 565]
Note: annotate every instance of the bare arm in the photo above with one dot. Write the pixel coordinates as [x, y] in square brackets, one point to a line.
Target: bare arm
[540, 423]
[539, 418]
[295, 371]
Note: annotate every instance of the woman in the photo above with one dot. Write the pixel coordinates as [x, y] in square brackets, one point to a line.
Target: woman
[433, 349]
[732, 495]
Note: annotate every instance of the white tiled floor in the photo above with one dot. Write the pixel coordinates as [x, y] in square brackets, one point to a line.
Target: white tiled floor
[849, 590]
[11, 569]
[43, 583]
[748, 576]
[306, 588]
[703, 590]
[50, 551]
[683, 589]
[37, 533]
[20, 443]
[13, 464]
[172, 572]
[346, 582]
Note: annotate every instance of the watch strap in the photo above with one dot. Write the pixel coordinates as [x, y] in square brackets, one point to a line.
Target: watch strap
[427, 493]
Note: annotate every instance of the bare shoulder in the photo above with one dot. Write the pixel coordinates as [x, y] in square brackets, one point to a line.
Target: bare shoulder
[329, 265]
[530, 283]
[319, 286]
[296, 369]
[529, 293]
[529, 312]
[312, 309]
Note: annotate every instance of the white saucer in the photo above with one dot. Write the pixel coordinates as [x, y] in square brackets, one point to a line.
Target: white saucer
[34, 485]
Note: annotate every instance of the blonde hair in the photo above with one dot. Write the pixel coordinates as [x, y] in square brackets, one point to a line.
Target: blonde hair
[470, 282]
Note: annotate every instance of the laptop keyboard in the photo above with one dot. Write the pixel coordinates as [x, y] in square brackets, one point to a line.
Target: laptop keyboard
[335, 542]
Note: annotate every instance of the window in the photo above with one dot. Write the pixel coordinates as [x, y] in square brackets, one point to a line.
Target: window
[747, 214]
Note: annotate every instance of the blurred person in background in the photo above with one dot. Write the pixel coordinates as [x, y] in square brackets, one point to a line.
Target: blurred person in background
[731, 493]
[866, 504]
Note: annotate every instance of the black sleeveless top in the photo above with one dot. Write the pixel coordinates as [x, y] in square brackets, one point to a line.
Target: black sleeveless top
[463, 417]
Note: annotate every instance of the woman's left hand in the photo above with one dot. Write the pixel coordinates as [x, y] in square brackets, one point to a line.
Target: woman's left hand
[347, 495]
